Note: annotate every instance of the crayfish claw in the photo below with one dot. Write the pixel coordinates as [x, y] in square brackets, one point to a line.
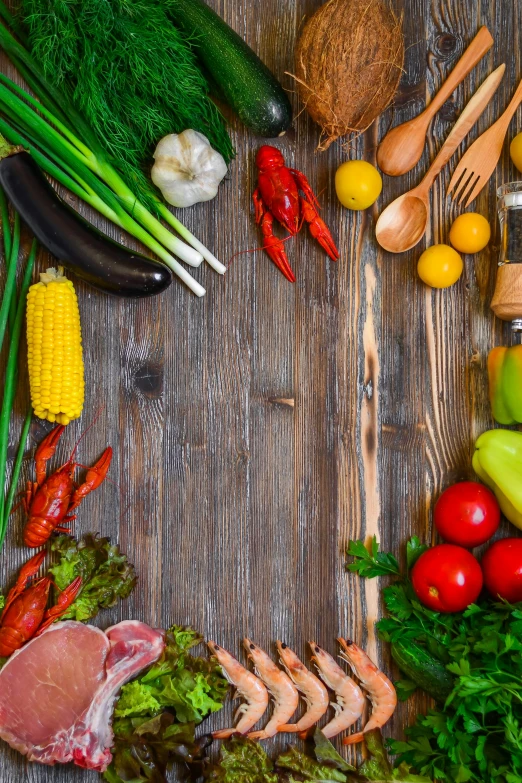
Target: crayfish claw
[258, 205]
[319, 229]
[95, 476]
[274, 247]
[65, 599]
[45, 452]
[305, 186]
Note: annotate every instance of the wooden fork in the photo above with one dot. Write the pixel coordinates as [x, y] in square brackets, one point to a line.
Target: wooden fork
[478, 163]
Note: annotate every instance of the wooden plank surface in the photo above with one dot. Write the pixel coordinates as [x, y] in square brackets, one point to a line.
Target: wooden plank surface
[258, 429]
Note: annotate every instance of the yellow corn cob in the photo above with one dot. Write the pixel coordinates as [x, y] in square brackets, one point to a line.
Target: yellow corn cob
[54, 348]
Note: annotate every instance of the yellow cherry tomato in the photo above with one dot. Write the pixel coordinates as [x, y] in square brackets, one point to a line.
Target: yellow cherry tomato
[470, 233]
[440, 266]
[358, 184]
[515, 150]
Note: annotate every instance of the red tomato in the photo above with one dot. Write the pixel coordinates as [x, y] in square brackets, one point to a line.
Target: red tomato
[447, 578]
[502, 567]
[467, 514]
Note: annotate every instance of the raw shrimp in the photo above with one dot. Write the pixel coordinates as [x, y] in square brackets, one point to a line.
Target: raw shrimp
[380, 690]
[280, 687]
[248, 686]
[350, 700]
[313, 690]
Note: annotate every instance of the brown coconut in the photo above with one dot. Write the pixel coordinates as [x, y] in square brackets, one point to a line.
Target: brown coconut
[349, 62]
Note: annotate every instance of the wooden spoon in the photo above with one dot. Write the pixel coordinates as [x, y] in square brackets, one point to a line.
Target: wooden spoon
[403, 223]
[402, 147]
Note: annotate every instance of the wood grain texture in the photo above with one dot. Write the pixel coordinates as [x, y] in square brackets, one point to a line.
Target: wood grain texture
[258, 429]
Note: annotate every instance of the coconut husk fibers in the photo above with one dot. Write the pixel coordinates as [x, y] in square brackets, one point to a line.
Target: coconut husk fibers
[349, 61]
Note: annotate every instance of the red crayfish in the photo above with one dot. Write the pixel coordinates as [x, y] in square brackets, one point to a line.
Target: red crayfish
[24, 614]
[277, 196]
[49, 501]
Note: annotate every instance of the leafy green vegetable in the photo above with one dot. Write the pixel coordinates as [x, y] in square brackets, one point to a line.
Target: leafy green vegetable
[371, 563]
[107, 574]
[414, 549]
[307, 768]
[241, 761]
[477, 735]
[328, 765]
[191, 687]
[326, 753]
[130, 71]
[378, 768]
[405, 689]
[156, 713]
[245, 761]
[145, 747]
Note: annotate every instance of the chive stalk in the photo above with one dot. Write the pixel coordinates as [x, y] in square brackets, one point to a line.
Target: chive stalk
[15, 475]
[10, 281]
[13, 261]
[10, 381]
[6, 227]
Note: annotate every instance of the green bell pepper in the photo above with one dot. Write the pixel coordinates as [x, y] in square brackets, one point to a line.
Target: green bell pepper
[497, 461]
[505, 384]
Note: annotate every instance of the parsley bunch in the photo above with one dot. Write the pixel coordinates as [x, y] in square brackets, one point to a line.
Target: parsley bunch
[477, 734]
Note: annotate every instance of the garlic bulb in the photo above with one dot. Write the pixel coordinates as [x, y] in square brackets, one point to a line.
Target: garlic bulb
[187, 170]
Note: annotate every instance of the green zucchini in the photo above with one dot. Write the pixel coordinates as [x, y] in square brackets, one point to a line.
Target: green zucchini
[426, 671]
[243, 81]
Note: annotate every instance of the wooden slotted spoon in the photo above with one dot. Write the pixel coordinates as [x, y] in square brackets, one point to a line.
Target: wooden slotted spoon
[479, 162]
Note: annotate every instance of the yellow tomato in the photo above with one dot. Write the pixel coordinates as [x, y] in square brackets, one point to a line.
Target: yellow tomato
[515, 150]
[470, 233]
[440, 266]
[357, 184]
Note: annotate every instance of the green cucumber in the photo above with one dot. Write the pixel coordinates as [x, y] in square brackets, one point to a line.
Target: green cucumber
[426, 671]
[243, 81]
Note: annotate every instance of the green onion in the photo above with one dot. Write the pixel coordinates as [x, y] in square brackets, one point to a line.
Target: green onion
[43, 135]
[10, 281]
[90, 189]
[15, 475]
[6, 228]
[63, 142]
[10, 381]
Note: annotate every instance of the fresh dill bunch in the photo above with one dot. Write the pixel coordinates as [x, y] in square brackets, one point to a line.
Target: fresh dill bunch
[131, 73]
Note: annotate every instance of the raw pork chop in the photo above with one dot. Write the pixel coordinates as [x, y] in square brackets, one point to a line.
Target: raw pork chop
[57, 693]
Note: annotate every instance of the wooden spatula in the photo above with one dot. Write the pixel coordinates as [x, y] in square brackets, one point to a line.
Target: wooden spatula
[479, 162]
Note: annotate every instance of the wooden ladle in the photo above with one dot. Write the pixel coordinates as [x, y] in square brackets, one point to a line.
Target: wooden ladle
[403, 223]
[402, 147]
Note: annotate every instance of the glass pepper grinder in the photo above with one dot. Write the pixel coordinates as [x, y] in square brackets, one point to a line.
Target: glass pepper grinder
[507, 299]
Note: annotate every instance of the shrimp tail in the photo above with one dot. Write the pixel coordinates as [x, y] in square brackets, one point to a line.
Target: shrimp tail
[353, 739]
[258, 735]
[289, 728]
[223, 734]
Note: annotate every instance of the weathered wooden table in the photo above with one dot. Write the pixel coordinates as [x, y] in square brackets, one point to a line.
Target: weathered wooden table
[258, 429]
